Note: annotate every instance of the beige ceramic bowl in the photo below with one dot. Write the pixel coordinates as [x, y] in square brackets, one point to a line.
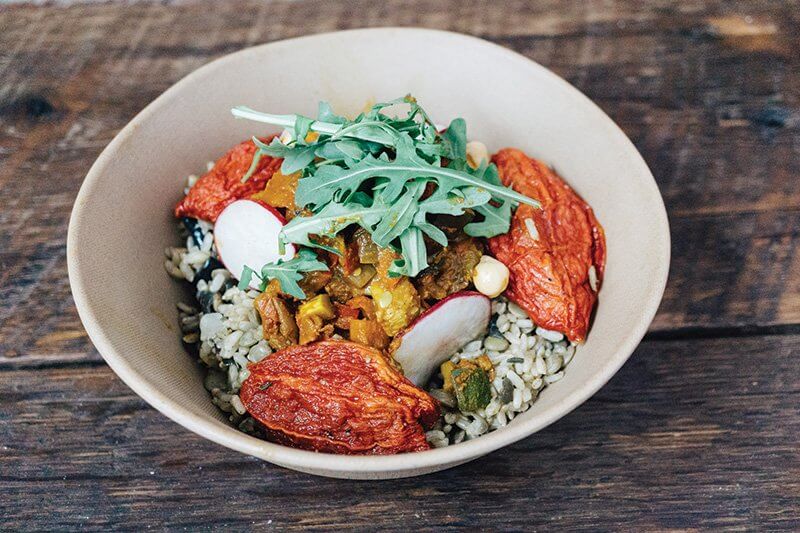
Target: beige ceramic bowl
[122, 219]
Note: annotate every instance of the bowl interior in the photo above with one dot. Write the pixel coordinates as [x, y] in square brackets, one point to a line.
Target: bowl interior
[122, 220]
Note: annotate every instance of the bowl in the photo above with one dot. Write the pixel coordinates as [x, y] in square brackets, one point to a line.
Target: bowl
[122, 218]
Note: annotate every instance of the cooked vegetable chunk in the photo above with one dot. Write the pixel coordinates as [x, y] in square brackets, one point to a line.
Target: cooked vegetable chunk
[366, 249]
[278, 323]
[360, 306]
[450, 270]
[472, 387]
[279, 191]
[396, 300]
[311, 317]
[448, 367]
[447, 375]
[396, 306]
[369, 333]
[319, 305]
[314, 281]
[338, 287]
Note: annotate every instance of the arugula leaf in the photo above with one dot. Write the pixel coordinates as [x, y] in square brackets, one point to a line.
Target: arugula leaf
[415, 255]
[325, 114]
[245, 278]
[274, 149]
[374, 170]
[496, 221]
[399, 216]
[359, 129]
[296, 157]
[455, 140]
[405, 220]
[321, 186]
[453, 203]
[285, 121]
[373, 130]
[329, 221]
[496, 218]
[301, 126]
[288, 273]
[341, 151]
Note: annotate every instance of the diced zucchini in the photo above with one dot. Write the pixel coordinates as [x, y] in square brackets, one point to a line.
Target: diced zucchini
[472, 387]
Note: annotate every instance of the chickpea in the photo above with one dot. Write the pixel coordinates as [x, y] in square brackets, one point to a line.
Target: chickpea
[490, 276]
[476, 153]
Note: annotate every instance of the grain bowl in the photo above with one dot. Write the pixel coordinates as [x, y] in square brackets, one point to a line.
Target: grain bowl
[121, 226]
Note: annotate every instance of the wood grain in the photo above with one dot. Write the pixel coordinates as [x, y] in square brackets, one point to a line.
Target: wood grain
[698, 431]
[689, 434]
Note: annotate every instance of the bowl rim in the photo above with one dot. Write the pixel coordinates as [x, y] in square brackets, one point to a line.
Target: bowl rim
[231, 437]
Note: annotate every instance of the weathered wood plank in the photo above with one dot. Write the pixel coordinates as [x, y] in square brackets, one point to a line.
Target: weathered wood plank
[693, 433]
[689, 434]
[733, 270]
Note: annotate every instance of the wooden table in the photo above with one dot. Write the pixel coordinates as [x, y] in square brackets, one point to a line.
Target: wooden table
[698, 430]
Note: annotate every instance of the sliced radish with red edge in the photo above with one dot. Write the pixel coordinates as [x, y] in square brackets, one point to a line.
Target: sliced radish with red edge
[246, 234]
[441, 331]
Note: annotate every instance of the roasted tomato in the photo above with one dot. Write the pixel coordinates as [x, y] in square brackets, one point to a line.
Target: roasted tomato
[223, 183]
[551, 250]
[338, 397]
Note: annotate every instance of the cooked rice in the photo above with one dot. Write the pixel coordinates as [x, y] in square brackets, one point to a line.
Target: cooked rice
[226, 332]
[526, 359]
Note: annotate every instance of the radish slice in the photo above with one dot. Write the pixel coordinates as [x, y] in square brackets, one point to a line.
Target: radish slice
[246, 233]
[441, 331]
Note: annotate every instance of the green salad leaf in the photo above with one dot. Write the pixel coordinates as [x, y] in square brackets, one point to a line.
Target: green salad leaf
[454, 140]
[387, 174]
[332, 219]
[295, 157]
[414, 252]
[453, 203]
[325, 114]
[398, 216]
[288, 273]
[496, 218]
[319, 188]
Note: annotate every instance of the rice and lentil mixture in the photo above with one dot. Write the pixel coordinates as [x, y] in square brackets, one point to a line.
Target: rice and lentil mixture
[224, 329]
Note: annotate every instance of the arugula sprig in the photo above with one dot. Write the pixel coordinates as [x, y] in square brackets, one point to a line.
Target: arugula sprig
[288, 273]
[376, 171]
[320, 188]
[372, 131]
